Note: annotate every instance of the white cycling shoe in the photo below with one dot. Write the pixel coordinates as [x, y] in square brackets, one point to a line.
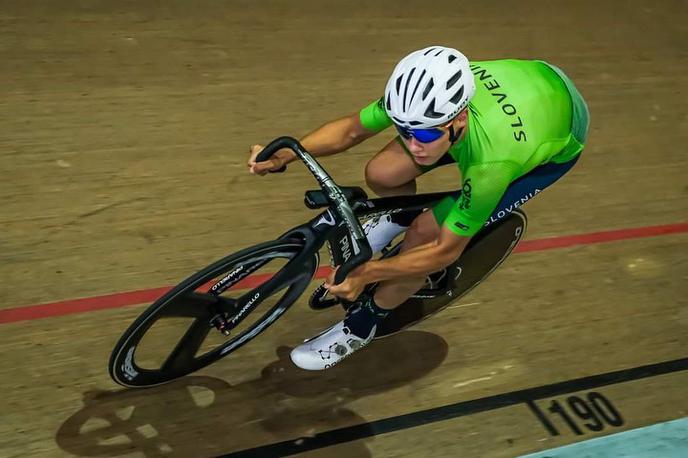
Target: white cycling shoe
[380, 231]
[328, 348]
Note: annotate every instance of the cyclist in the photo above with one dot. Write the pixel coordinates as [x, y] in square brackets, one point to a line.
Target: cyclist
[513, 127]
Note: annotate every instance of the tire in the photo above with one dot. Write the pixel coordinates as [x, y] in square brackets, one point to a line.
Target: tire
[486, 251]
[184, 302]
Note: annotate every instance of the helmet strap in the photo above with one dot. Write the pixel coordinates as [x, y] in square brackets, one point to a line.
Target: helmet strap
[454, 135]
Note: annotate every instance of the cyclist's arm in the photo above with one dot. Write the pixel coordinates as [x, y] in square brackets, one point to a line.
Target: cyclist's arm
[482, 189]
[420, 260]
[341, 134]
[332, 138]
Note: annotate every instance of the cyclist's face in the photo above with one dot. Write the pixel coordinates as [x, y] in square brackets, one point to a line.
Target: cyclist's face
[429, 153]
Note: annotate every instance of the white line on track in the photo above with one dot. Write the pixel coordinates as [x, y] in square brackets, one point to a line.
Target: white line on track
[462, 305]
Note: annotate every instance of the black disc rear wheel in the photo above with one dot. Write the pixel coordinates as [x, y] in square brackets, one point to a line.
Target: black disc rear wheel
[183, 331]
[485, 252]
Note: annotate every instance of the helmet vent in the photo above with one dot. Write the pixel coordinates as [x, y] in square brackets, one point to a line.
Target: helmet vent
[408, 80]
[431, 113]
[452, 81]
[428, 88]
[457, 96]
[420, 78]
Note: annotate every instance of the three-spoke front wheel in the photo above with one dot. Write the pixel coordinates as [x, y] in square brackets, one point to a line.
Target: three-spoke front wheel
[212, 313]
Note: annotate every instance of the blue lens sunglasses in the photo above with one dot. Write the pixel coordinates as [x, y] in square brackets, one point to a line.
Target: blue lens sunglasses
[425, 135]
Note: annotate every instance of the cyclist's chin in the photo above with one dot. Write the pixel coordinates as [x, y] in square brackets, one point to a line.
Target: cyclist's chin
[426, 159]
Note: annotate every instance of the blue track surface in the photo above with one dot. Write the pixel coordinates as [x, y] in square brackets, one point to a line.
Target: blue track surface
[663, 440]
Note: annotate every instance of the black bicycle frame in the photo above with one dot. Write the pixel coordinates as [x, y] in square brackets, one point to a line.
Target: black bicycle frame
[338, 202]
[354, 250]
[338, 224]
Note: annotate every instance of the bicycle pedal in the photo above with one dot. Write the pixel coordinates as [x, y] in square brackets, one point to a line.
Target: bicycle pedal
[220, 323]
[319, 299]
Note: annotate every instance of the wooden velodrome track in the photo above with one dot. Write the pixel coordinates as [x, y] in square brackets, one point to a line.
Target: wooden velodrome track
[124, 133]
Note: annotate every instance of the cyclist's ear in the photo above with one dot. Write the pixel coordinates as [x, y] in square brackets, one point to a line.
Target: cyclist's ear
[461, 119]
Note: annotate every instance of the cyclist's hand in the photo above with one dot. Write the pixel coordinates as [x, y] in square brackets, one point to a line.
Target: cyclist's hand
[261, 168]
[352, 286]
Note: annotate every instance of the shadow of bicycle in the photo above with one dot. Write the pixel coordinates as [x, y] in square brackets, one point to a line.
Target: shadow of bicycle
[206, 416]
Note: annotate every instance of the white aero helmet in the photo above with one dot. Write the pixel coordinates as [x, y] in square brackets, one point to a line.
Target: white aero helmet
[429, 87]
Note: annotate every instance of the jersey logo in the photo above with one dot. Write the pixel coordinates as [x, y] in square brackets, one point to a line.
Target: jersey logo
[465, 199]
[463, 227]
[508, 109]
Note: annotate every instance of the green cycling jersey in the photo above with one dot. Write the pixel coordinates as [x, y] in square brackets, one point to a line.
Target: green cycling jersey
[523, 114]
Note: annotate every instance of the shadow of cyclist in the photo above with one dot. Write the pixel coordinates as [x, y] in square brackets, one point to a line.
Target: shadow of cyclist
[205, 416]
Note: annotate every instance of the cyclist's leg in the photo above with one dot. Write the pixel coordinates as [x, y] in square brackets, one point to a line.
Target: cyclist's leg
[528, 186]
[392, 172]
[518, 193]
[426, 227]
[391, 293]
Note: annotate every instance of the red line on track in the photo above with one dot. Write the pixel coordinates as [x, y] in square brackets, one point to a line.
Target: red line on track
[600, 237]
[116, 300]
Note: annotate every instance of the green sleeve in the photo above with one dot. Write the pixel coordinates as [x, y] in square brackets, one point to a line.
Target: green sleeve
[483, 188]
[374, 117]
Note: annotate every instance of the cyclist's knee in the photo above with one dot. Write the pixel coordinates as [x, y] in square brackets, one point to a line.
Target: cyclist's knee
[379, 178]
[392, 171]
[387, 179]
[424, 229]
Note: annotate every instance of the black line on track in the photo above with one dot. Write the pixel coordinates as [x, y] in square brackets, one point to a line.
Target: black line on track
[459, 409]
